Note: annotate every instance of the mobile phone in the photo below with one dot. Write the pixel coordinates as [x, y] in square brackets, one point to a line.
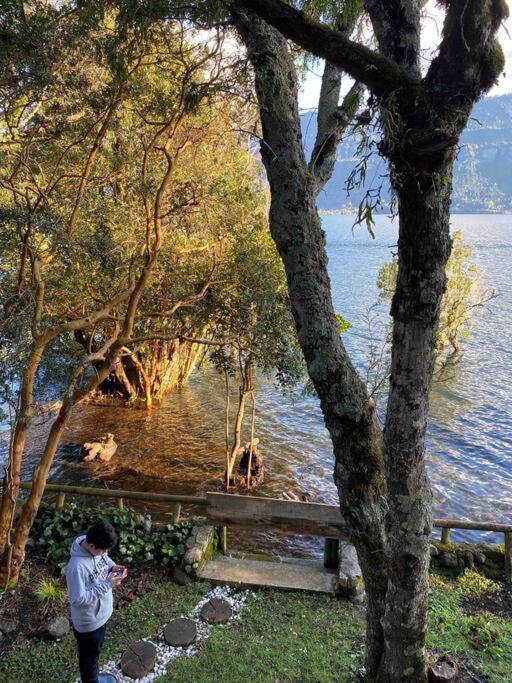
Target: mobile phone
[118, 572]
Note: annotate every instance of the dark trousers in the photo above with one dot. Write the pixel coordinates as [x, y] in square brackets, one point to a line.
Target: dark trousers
[89, 646]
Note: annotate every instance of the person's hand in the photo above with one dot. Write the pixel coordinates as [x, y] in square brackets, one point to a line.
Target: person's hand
[117, 575]
[291, 496]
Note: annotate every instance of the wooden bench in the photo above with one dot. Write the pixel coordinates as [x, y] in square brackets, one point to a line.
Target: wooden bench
[308, 519]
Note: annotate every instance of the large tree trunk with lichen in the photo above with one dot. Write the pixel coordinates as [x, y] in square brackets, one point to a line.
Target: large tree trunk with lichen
[296, 229]
[423, 249]
[422, 119]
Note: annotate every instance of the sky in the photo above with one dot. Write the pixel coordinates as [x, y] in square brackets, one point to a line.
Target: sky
[432, 25]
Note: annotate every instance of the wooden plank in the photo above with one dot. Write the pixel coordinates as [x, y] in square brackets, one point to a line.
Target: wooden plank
[120, 493]
[309, 519]
[475, 526]
[253, 573]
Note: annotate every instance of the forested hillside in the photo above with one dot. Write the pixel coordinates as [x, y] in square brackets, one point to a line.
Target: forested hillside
[483, 181]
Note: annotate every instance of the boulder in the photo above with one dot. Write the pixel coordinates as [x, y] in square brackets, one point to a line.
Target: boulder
[56, 628]
[434, 551]
[448, 559]
[216, 611]
[139, 659]
[7, 625]
[469, 559]
[193, 555]
[203, 536]
[190, 542]
[442, 671]
[180, 632]
[479, 558]
[180, 577]
[350, 578]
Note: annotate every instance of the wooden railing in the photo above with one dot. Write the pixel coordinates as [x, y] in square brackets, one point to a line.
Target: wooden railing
[120, 495]
[314, 519]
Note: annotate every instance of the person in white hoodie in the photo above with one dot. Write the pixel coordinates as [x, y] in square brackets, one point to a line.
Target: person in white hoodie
[90, 577]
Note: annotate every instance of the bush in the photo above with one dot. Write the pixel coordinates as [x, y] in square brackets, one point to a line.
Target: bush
[471, 582]
[54, 531]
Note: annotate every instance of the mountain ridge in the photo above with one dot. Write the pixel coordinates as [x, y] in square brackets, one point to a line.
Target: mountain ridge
[482, 175]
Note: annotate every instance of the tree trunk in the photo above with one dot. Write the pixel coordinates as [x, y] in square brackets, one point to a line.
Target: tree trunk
[423, 249]
[296, 230]
[11, 482]
[14, 557]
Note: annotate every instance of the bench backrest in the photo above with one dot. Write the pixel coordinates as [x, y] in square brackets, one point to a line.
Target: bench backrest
[309, 519]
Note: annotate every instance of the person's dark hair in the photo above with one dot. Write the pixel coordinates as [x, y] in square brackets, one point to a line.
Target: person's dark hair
[102, 535]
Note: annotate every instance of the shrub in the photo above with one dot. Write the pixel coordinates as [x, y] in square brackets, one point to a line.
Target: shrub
[470, 582]
[139, 540]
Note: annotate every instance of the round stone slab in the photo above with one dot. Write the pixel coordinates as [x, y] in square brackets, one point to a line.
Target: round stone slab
[139, 659]
[180, 632]
[216, 611]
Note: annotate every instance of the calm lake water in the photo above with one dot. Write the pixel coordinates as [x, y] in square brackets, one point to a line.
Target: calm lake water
[178, 447]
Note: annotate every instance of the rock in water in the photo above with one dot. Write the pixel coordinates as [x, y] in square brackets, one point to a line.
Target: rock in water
[216, 611]
[139, 659]
[442, 671]
[180, 632]
[56, 628]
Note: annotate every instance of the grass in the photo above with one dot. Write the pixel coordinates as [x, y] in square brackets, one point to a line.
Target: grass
[49, 592]
[282, 637]
[49, 663]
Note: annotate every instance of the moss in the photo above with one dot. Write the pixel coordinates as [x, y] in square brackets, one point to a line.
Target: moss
[493, 65]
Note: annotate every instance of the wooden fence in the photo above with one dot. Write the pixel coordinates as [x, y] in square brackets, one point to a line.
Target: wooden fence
[313, 519]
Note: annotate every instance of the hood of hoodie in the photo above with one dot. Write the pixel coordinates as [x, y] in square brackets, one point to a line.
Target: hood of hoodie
[77, 550]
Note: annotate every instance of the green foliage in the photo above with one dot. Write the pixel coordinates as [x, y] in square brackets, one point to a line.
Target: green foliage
[471, 582]
[464, 294]
[49, 592]
[343, 324]
[138, 539]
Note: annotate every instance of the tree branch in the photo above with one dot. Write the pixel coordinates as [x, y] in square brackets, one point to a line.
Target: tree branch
[381, 74]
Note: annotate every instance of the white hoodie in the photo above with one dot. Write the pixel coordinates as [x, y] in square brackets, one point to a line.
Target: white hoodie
[89, 590]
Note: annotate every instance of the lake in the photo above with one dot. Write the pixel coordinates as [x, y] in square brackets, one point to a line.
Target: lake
[178, 447]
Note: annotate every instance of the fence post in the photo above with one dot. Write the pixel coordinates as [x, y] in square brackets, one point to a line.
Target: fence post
[61, 499]
[508, 557]
[177, 513]
[224, 540]
[120, 503]
[445, 536]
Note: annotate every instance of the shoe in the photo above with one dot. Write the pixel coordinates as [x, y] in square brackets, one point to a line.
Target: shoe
[107, 678]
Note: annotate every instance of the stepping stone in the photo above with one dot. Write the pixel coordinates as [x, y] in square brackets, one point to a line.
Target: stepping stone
[180, 632]
[139, 659]
[216, 611]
